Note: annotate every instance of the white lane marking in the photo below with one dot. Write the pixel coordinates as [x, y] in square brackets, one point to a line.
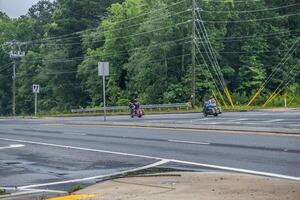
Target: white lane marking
[213, 123]
[12, 146]
[274, 120]
[81, 148]
[161, 162]
[189, 142]
[163, 159]
[80, 134]
[32, 191]
[238, 170]
[36, 190]
[237, 120]
[201, 119]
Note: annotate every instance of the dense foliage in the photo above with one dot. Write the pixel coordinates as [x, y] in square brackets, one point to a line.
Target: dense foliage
[245, 46]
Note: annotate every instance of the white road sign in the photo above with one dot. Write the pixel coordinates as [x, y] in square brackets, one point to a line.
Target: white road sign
[103, 69]
[36, 88]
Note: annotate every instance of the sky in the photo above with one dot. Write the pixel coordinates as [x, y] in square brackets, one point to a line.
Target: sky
[16, 8]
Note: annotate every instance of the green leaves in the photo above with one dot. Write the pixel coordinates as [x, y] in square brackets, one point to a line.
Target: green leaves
[148, 45]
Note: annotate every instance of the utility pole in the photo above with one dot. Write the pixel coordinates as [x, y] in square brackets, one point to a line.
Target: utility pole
[194, 55]
[14, 53]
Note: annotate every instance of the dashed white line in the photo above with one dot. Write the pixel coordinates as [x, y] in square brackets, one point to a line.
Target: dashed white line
[12, 146]
[79, 134]
[201, 119]
[189, 142]
[237, 120]
[161, 160]
[274, 120]
[214, 123]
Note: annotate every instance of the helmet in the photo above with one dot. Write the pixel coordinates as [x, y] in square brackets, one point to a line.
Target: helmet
[211, 97]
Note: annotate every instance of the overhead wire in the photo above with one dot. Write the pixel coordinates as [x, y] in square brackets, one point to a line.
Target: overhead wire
[211, 76]
[109, 54]
[132, 35]
[211, 61]
[120, 21]
[286, 57]
[250, 11]
[143, 14]
[76, 71]
[6, 66]
[249, 20]
[281, 87]
[211, 52]
[49, 43]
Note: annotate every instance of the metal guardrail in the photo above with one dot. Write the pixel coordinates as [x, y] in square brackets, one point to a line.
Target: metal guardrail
[122, 108]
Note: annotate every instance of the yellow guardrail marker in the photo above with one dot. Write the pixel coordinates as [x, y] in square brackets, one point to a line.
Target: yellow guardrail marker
[75, 197]
[255, 96]
[274, 94]
[229, 97]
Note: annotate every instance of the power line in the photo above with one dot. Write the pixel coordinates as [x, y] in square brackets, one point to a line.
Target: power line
[288, 33]
[76, 71]
[132, 35]
[210, 59]
[233, 1]
[6, 66]
[251, 20]
[281, 87]
[207, 67]
[211, 52]
[214, 58]
[108, 31]
[282, 62]
[91, 29]
[248, 11]
[113, 53]
[231, 38]
[49, 42]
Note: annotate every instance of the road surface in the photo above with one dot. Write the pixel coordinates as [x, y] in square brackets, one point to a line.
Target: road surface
[50, 153]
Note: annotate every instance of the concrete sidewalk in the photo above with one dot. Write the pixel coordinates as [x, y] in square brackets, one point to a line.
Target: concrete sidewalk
[195, 186]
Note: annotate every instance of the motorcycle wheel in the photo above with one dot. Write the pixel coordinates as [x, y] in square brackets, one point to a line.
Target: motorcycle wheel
[216, 114]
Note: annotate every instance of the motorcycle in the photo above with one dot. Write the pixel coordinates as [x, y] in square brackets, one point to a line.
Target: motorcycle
[215, 111]
[136, 112]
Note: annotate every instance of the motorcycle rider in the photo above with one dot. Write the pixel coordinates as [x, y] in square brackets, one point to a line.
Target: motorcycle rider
[132, 107]
[137, 105]
[211, 103]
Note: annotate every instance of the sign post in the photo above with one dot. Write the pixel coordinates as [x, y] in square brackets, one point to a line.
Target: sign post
[35, 90]
[285, 100]
[103, 70]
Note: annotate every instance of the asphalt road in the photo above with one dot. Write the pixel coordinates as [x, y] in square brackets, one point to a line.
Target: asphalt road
[40, 151]
[289, 119]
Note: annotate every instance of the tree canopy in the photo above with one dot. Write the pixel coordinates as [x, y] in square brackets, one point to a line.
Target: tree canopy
[242, 48]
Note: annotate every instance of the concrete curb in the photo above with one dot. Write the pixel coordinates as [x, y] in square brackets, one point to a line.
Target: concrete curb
[266, 130]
